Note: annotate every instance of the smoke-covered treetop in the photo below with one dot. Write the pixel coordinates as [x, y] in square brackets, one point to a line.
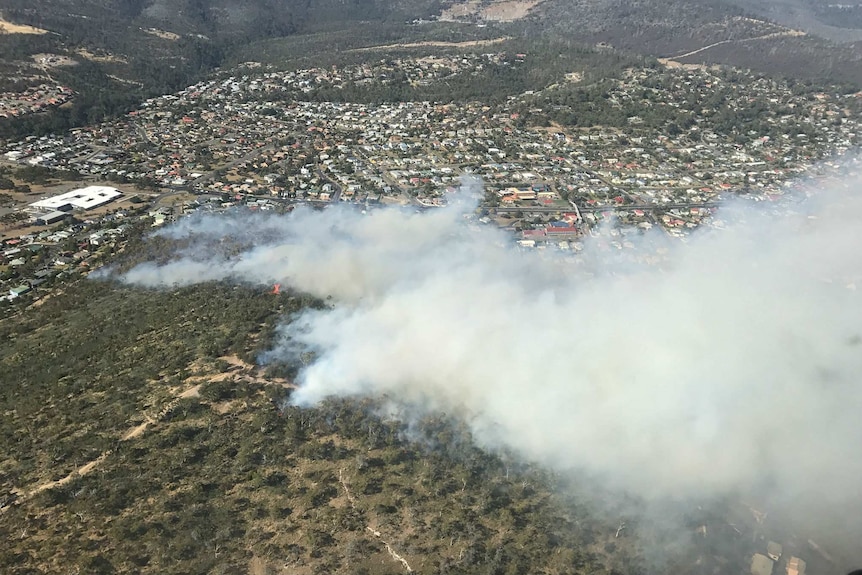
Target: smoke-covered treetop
[731, 366]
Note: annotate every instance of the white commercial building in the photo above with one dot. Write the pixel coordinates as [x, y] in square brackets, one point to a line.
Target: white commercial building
[84, 198]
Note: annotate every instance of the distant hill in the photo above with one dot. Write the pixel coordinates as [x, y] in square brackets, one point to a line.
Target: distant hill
[114, 54]
[216, 19]
[837, 21]
[124, 51]
[711, 31]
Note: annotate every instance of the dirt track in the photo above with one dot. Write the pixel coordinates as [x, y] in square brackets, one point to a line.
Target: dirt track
[83, 470]
[785, 34]
[240, 369]
[466, 44]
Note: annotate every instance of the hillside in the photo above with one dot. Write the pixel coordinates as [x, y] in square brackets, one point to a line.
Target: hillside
[795, 39]
[841, 22]
[140, 440]
[112, 55]
[109, 56]
[142, 436]
[692, 31]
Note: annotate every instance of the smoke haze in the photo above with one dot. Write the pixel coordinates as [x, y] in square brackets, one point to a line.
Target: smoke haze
[728, 363]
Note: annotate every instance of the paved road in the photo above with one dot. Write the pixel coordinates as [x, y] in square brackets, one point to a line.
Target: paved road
[206, 177]
[336, 195]
[622, 208]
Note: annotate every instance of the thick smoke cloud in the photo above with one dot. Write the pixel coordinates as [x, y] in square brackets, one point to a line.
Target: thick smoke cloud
[729, 363]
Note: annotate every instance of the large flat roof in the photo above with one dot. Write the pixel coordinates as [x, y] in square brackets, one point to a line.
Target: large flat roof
[84, 198]
[52, 217]
[761, 565]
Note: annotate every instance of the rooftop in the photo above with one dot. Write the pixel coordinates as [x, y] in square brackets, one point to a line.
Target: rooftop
[761, 565]
[84, 198]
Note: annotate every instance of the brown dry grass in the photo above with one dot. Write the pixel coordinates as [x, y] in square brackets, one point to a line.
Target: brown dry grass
[10, 28]
[163, 34]
[495, 11]
[462, 10]
[509, 11]
[193, 391]
[101, 57]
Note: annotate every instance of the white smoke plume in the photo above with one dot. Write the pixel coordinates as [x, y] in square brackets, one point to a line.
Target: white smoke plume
[730, 363]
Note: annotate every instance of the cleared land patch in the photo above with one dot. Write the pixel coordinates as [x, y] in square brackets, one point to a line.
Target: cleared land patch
[503, 11]
[433, 44]
[11, 28]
